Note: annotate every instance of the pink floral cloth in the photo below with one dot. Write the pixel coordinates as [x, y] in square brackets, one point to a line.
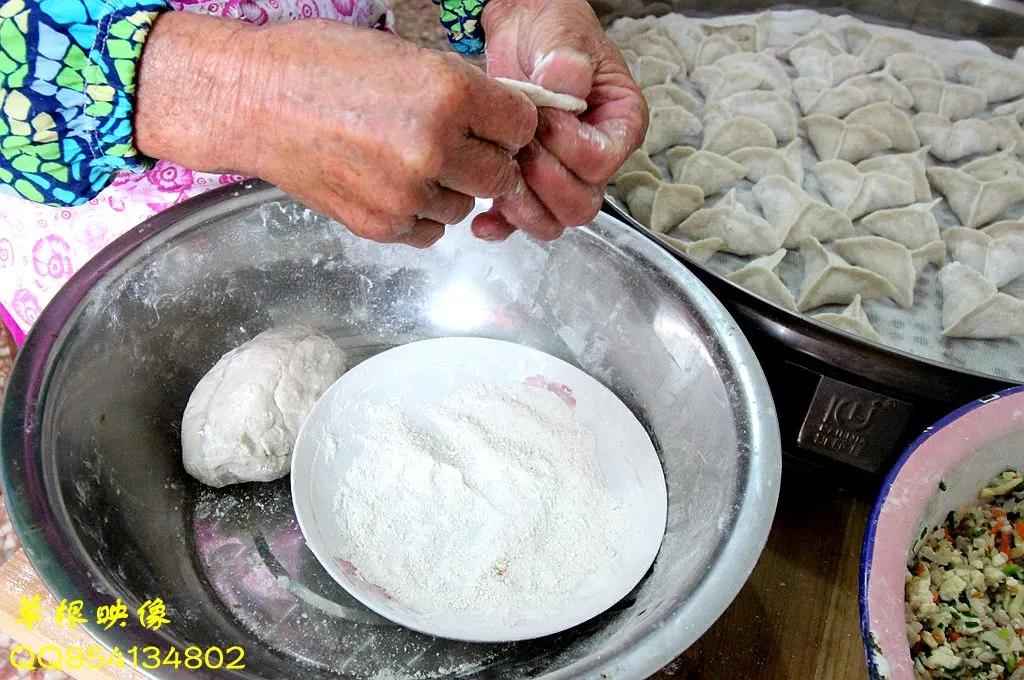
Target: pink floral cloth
[42, 246]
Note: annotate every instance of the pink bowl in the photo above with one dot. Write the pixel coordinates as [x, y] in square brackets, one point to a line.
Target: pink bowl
[964, 450]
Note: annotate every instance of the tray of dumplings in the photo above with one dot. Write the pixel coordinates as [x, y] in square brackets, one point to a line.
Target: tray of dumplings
[866, 177]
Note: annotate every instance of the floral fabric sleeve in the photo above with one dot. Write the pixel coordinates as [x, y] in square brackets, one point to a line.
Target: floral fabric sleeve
[67, 80]
[461, 19]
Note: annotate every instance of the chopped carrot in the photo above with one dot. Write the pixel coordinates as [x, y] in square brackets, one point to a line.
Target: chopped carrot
[920, 569]
[953, 636]
[1019, 527]
[935, 598]
[1004, 544]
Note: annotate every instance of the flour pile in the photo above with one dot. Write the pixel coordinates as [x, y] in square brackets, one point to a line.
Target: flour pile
[497, 511]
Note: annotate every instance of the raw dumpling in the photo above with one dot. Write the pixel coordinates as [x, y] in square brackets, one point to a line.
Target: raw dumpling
[976, 202]
[705, 169]
[907, 166]
[914, 226]
[952, 100]
[951, 141]
[1002, 164]
[655, 204]
[880, 48]
[1010, 131]
[890, 260]
[742, 232]
[669, 94]
[891, 122]
[858, 193]
[713, 48]
[907, 65]
[815, 96]
[649, 71]
[668, 127]
[1015, 109]
[762, 162]
[829, 279]
[698, 251]
[1000, 259]
[819, 40]
[740, 72]
[758, 276]
[834, 138]
[653, 44]
[724, 134]
[972, 306]
[628, 28]
[793, 212]
[638, 161]
[748, 34]
[1000, 81]
[833, 69]
[771, 108]
[853, 320]
[1004, 228]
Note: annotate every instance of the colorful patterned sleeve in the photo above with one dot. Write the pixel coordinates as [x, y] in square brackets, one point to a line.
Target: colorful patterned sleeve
[461, 19]
[67, 84]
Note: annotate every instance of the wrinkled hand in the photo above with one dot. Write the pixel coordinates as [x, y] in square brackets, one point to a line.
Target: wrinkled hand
[559, 44]
[390, 139]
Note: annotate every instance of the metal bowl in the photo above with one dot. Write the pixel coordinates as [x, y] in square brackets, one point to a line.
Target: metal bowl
[91, 457]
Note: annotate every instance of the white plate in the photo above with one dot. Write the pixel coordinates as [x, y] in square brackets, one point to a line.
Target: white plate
[416, 376]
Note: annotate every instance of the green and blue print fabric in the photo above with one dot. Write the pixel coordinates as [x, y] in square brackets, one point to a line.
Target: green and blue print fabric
[461, 19]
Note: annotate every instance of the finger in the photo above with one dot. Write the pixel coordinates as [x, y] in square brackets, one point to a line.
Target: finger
[448, 207]
[570, 200]
[565, 70]
[592, 153]
[523, 210]
[501, 115]
[481, 169]
[492, 226]
[423, 235]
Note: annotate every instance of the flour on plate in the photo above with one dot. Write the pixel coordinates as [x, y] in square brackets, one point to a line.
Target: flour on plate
[494, 509]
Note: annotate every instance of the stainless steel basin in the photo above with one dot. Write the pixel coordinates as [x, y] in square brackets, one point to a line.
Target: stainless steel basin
[91, 458]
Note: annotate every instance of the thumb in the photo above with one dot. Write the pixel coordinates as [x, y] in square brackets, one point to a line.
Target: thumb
[564, 69]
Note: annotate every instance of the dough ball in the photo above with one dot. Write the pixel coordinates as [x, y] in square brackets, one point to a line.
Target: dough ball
[242, 419]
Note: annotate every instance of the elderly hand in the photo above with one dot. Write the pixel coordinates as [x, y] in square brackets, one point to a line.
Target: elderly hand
[390, 139]
[560, 45]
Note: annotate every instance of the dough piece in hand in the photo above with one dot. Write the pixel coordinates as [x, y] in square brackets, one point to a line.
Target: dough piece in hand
[668, 127]
[907, 65]
[657, 205]
[858, 193]
[853, 320]
[758, 276]
[649, 71]
[951, 141]
[833, 69]
[829, 279]
[669, 94]
[638, 161]
[999, 258]
[698, 251]
[890, 260]
[834, 138]
[1002, 164]
[907, 166]
[741, 231]
[890, 121]
[543, 97]
[793, 212]
[771, 108]
[976, 202]
[1004, 228]
[952, 100]
[914, 226]
[999, 81]
[724, 133]
[242, 419]
[819, 40]
[762, 162]
[972, 306]
[705, 169]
